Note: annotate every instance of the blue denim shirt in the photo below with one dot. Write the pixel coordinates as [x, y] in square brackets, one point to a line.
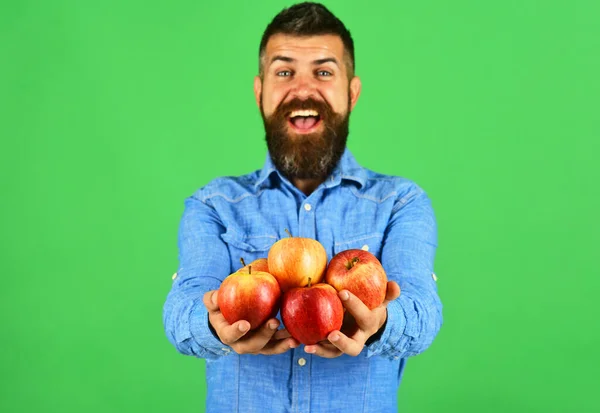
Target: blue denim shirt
[233, 217]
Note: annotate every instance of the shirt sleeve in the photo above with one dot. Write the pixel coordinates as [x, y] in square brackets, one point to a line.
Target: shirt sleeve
[204, 262]
[407, 256]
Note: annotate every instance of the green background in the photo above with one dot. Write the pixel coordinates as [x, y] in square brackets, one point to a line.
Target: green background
[112, 113]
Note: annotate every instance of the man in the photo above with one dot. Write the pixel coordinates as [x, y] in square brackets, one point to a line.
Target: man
[312, 185]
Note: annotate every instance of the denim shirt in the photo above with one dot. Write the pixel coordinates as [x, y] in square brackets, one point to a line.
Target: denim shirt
[233, 217]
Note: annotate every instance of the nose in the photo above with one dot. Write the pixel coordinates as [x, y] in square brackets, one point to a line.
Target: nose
[304, 86]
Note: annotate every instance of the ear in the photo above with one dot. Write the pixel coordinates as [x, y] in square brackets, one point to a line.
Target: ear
[355, 88]
[257, 89]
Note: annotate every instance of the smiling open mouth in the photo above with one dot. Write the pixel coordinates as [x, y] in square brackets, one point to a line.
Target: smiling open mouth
[304, 120]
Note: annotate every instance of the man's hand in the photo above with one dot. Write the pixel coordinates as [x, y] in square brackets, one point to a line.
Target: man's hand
[366, 323]
[264, 340]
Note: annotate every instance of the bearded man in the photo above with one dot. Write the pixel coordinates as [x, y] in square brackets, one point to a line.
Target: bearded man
[312, 185]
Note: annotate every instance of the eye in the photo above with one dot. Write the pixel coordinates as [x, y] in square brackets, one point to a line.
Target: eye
[284, 73]
[324, 73]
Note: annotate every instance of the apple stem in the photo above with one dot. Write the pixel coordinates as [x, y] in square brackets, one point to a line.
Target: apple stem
[309, 280]
[288, 232]
[249, 269]
[353, 262]
[243, 262]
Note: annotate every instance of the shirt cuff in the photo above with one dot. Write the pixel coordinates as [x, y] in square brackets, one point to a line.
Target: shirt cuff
[387, 343]
[203, 335]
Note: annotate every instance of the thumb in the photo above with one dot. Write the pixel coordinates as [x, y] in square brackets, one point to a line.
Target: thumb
[210, 300]
[392, 292]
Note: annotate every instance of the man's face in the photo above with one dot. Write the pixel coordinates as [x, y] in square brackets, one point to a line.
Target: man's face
[305, 99]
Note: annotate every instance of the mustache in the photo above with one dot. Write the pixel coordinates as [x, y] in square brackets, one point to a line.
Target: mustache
[284, 109]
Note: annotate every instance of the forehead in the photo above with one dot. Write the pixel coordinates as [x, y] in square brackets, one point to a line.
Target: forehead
[305, 46]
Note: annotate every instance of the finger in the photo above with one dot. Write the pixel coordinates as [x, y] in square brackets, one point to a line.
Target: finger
[259, 338]
[358, 309]
[274, 347]
[229, 333]
[210, 300]
[281, 334]
[325, 350]
[345, 344]
[392, 292]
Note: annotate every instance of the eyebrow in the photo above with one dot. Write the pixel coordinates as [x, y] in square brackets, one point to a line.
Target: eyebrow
[315, 62]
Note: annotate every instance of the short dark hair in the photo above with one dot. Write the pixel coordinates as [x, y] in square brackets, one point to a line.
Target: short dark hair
[308, 19]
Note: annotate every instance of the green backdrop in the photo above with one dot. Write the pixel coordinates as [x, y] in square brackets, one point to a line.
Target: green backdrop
[112, 113]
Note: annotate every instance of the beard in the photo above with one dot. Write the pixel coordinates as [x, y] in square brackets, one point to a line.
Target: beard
[311, 155]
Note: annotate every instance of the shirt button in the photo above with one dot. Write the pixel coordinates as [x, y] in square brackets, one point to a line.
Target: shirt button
[307, 207]
[301, 361]
[365, 247]
[434, 276]
[174, 276]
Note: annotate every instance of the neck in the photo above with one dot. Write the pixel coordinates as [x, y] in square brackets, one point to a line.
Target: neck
[307, 186]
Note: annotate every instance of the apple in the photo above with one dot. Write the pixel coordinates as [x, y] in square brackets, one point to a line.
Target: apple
[310, 313]
[359, 272]
[249, 295]
[295, 260]
[257, 265]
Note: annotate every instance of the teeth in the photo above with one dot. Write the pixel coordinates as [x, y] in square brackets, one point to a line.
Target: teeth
[308, 112]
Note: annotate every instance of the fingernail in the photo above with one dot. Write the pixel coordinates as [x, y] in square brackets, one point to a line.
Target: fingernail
[243, 327]
[334, 337]
[309, 350]
[272, 326]
[344, 295]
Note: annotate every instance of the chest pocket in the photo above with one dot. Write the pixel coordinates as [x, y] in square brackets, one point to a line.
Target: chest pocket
[370, 242]
[249, 248]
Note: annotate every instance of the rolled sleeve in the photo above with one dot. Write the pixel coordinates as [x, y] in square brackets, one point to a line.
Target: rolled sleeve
[202, 333]
[204, 262]
[414, 318]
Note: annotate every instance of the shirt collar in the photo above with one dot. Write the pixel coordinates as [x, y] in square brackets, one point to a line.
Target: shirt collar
[267, 170]
[347, 168]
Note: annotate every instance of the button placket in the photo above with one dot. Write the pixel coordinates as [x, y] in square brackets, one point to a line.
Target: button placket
[307, 225]
[303, 384]
[301, 379]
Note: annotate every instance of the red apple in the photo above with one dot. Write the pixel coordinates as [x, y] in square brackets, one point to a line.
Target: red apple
[359, 272]
[257, 265]
[294, 260]
[249, 295]
[310, 313]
